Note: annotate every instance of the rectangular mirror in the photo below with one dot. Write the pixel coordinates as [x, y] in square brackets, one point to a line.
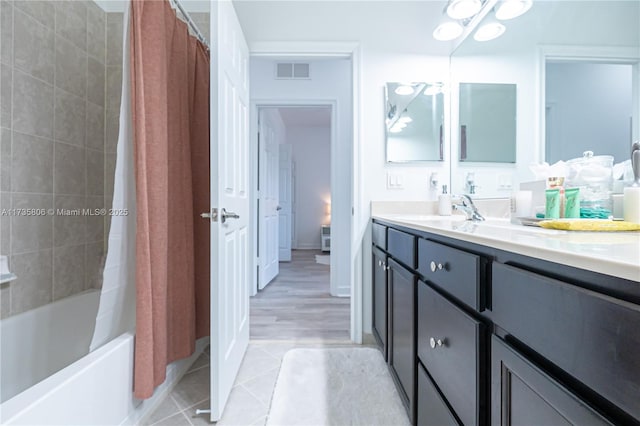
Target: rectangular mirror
[576, 65]
[487, 115]
[414, 121]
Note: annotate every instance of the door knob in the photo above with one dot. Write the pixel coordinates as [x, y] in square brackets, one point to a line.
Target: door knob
[435, 342]
[206, 215]
[278, 208]
[228, 215]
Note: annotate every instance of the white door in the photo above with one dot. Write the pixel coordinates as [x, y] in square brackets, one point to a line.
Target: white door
[230, 257]
[268, 210]
[284, 193]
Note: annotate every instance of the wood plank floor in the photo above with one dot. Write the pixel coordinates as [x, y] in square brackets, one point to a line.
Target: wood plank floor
[297, 304]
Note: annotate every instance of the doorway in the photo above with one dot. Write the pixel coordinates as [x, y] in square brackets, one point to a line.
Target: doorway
[326, 89]
[293, 210]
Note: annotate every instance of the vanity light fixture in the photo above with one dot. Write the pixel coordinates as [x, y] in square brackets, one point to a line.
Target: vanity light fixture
[404, 90]
[448, 31]
[509, 9]
[489, 31]
[463, 9]
[433, 89]
[397, 127]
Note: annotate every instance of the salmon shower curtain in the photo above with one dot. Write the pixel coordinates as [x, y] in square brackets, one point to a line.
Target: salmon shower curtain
[170, 108]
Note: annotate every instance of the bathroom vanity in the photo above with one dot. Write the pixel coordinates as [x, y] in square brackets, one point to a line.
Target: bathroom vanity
[495, 323]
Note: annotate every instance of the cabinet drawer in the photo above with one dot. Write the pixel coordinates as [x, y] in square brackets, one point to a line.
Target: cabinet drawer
[449, 346]
[402, 246]
[522, 394]
[455, 271]
[593, 337]
[432, 409]
[379, 235]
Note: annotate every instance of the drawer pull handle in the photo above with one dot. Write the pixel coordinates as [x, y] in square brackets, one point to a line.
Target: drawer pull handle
[436, 266]
[434, 343]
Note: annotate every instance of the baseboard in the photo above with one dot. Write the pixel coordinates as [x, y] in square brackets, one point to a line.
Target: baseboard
[175, 371]
[308, 247]
[343, 292]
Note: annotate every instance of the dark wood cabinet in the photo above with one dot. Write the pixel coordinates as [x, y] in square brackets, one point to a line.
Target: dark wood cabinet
[380, 306]
[476, 335]
[402, 333]
[450, 345]
[523, 394]
[432, 407]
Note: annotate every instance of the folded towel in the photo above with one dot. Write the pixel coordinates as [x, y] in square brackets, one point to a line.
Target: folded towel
[589, 225]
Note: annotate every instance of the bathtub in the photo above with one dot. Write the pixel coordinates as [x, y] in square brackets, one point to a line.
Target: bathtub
[93, 389]
[37, 343]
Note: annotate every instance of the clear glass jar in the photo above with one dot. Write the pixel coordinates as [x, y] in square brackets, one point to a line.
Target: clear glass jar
[594, 176]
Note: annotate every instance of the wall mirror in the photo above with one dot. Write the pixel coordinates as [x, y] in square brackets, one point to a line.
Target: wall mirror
[414, 120]
[540, 52]
[487, 129]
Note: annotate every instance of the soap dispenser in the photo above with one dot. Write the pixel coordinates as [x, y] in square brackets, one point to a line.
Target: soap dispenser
[444, 202]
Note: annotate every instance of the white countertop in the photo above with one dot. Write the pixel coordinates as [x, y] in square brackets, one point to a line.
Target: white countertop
[610, 253]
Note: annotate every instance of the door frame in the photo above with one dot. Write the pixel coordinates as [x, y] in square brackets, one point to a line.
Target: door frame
[359, 212]
[256, 106]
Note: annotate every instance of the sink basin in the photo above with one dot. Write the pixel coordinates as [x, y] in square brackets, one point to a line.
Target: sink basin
[427, 217]
[506, 225]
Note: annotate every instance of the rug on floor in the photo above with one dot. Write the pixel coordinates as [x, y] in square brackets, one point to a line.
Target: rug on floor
[323, 259]
[335, 386]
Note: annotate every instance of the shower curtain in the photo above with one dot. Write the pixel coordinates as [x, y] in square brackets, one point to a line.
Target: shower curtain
[116, 313]
[170, 110]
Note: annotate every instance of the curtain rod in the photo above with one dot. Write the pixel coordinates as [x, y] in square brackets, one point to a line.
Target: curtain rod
[192, 24]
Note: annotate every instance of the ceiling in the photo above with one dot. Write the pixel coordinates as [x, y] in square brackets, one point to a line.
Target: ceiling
[394, 25]
[306, 116]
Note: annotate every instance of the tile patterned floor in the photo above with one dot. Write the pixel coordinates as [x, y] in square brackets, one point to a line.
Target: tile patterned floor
[294, 311]
[250, 397]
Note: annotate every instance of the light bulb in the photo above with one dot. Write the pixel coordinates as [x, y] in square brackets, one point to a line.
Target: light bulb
[405, 119]
[447, 31]
[432, 89]
[463, 9]
[489, 31]
[510, 9]
[404, 90]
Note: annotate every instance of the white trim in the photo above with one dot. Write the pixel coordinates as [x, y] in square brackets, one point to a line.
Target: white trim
[335, 50]
[569, 53]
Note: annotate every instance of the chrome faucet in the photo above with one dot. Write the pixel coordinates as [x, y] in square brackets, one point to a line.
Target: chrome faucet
[470, 183]
[468, 208]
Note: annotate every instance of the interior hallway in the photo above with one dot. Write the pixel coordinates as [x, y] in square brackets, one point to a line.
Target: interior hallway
[297, 305]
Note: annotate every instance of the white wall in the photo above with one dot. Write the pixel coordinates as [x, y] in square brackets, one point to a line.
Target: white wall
[589, 116]
[312, 157]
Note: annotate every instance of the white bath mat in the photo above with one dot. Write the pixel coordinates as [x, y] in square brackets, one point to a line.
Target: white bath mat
[323, 259]
[338, 386]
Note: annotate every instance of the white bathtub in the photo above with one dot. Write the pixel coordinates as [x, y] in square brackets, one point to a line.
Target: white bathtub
[37, 343]
[95, 389]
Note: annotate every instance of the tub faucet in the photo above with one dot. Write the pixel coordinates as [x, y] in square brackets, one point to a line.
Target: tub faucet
[468, 208]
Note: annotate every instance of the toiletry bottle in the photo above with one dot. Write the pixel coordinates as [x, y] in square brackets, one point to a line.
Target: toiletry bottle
[444, 202]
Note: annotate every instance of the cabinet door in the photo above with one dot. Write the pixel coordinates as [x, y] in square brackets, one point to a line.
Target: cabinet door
[402, 337]
[432, 408]
[451, 345]
[380, 306]
[522, 394]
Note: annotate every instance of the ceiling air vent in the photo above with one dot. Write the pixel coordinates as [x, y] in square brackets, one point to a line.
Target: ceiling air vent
[292, 71]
